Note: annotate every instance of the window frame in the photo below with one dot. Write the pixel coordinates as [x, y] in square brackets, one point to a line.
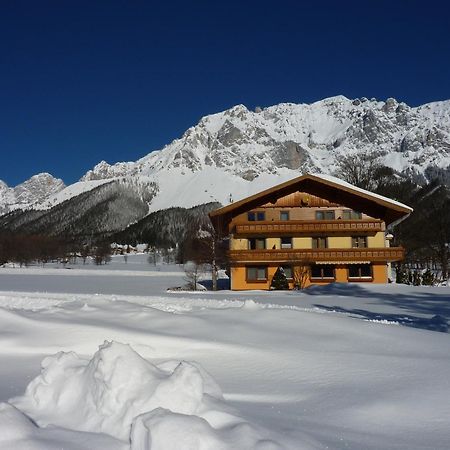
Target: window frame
[257, 279]
[321, 267]
[353, 215]
[356, 242]
[324, 213]
[360, 276]
[316, 239]
[286, 213]
[256, 216]
[256, 239]
[286, 246]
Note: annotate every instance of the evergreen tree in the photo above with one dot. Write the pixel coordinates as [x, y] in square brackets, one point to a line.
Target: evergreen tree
[401, 275]
[279, 280]
[428, 278]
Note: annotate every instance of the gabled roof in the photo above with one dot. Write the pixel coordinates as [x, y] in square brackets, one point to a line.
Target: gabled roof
[325, 186]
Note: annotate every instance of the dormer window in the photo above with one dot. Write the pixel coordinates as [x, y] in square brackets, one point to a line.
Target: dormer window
[325, 215]
[351, 215]
[253, 216]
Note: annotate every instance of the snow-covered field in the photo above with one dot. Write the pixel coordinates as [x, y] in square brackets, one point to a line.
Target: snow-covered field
[338, 367]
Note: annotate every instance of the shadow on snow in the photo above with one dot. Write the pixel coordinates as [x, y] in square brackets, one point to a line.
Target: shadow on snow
[415, 304]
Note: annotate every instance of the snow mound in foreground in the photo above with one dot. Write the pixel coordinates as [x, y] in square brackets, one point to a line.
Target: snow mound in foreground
[173, 405]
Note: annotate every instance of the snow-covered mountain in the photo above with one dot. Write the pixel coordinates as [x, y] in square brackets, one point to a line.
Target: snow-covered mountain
[235, 153]
[302, 137]
[30, 193]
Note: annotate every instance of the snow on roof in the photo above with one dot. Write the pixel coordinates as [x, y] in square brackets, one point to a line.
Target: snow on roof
[395, 211]
[343, 183]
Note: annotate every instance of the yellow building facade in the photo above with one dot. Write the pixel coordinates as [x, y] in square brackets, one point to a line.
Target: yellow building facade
[315, 229]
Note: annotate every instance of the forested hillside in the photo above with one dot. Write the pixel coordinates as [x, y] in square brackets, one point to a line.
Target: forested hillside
[167, 228]
[98, 213]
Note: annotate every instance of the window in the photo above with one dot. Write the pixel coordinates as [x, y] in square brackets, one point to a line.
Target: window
[284, 215]
[359, 241]
[286, 242]
[287, 271]
[325, 215]
[360, 271]
[256, 243]
[319, 242]
[351, 215]
[322, 271]
[252, 216]
[256, 273]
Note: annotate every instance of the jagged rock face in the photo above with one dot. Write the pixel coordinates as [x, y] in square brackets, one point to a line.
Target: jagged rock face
[304, 138]
[33, 191]
[103, 171]
[38, 188]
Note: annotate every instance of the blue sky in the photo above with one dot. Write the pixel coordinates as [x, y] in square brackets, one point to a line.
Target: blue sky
[82, 81]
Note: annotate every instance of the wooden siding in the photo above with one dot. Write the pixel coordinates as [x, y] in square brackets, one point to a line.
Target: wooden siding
[317, 255]
[296, 199]
[308, 227]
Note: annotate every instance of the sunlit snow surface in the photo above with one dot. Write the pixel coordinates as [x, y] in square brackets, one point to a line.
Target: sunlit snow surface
[359, 367]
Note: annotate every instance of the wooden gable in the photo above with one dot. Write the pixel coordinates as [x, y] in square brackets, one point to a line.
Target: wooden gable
[318, 189]
[300, 200]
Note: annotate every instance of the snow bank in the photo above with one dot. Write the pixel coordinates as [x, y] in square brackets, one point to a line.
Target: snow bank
[14, 424]
[171, 405]
[17, 431]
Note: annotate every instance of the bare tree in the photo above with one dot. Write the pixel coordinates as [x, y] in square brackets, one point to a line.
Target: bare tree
[84, 252]
[193, 271]
[301, 274]
[363, 170]
[151, 259]
[205, 248]
[102, 253]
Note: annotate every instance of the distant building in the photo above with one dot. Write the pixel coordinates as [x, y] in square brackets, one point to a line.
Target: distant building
[315, 226]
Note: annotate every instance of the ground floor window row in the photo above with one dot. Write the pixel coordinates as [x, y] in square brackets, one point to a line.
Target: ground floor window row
[315, 272]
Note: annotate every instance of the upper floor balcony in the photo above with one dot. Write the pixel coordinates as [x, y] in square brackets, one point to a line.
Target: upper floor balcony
[299, 227]
[323, 255]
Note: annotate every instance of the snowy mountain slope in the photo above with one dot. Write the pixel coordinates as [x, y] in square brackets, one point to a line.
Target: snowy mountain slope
[238, 152]
[68, 192]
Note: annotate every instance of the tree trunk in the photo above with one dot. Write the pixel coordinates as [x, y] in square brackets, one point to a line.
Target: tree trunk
[214, 276]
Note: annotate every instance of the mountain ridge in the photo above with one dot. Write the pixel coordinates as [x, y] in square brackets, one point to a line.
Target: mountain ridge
[236, 152]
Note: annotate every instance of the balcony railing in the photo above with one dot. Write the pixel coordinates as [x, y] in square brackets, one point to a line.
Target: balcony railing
[330, 255]
[307, 227]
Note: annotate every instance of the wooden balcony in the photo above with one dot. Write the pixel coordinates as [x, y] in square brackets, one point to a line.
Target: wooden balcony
[330, 255]
[301, 227]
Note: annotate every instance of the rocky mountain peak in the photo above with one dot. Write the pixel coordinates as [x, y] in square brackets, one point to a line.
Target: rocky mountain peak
[32, 191]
